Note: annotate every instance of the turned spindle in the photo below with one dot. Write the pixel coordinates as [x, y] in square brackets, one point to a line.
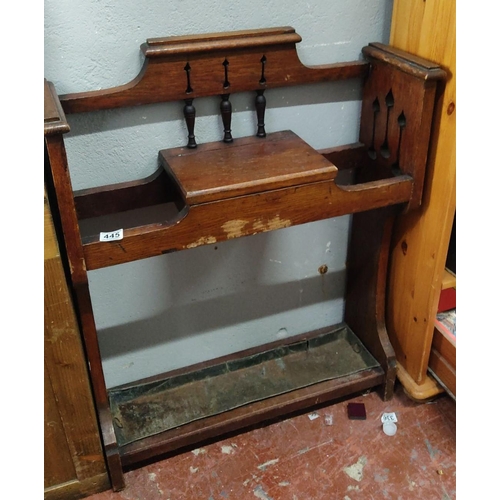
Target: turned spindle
[189, 116]
[226, 111]
[260, 107]
[189, 109]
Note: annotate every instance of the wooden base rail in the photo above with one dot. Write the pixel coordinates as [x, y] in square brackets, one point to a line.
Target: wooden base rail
[207, 193]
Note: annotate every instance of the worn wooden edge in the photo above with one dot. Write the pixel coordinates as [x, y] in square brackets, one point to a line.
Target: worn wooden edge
[409, 63]
[216, 42]
[254, 413]
[202, 196]
[74, 490]
[54, 118]
[428, 389]
[224, 35]
[221, 220]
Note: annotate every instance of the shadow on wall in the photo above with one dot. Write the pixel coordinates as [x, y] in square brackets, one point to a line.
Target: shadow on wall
[177, 309]
[232, 310]
[300, 95]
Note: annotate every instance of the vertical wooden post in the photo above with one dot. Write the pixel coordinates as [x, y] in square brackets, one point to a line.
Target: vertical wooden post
[396, 119]
[74, 460]
[421, 238]
[365, 290]
[59, 188]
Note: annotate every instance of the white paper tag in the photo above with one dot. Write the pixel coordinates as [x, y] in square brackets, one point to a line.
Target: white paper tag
[112, 236]
[329, 419]
[313, 416]
[389, 417]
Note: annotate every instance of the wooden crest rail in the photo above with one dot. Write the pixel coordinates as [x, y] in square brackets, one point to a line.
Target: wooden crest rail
[207, 193]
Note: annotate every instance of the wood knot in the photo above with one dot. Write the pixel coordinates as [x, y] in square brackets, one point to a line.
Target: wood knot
[404, 247]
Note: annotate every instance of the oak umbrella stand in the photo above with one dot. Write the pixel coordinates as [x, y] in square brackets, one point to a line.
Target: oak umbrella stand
[207, 193]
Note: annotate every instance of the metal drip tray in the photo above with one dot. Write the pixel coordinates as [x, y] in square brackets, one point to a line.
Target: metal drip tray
[147, 409]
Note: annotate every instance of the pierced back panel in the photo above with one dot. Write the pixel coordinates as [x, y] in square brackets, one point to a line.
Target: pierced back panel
[397, 112]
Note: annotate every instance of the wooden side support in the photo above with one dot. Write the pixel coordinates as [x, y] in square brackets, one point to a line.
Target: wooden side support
[365, 291]
[59, 187]
[397, 111]
[74, 462]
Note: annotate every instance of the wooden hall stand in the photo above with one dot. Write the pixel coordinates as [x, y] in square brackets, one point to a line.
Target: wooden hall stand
[212, 192]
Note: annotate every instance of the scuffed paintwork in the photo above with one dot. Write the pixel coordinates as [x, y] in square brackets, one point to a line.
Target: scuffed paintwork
[355, 471]
[234, 228]
[199, 451]
[205, 240]
[272, 224]
[432, 451]
[260, 493]
[265, 465]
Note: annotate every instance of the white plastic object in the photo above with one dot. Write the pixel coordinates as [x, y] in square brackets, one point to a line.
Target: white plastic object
[390, 428]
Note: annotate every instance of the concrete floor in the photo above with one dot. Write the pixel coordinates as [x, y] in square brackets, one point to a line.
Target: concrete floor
[316, 455]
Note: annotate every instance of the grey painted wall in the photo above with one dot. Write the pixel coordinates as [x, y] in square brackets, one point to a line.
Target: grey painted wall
[171, 311]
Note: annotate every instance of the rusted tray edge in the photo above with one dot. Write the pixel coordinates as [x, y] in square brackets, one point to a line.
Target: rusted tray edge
[146, 402]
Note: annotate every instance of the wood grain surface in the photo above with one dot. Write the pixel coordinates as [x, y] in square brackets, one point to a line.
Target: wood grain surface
[421, 237]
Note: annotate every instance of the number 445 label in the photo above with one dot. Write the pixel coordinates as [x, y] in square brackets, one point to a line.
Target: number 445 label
[389, 417]
[111, 236]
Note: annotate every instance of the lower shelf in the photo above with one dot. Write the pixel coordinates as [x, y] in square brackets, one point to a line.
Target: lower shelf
[185, 408]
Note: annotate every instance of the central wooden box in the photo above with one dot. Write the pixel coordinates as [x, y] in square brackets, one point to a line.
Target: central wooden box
[218, 171]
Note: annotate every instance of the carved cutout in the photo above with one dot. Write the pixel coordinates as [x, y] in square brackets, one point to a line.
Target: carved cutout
[226, 83]
[263, 61]
[389, 102]
[187, 69]
[402, 124]
[376, 110]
